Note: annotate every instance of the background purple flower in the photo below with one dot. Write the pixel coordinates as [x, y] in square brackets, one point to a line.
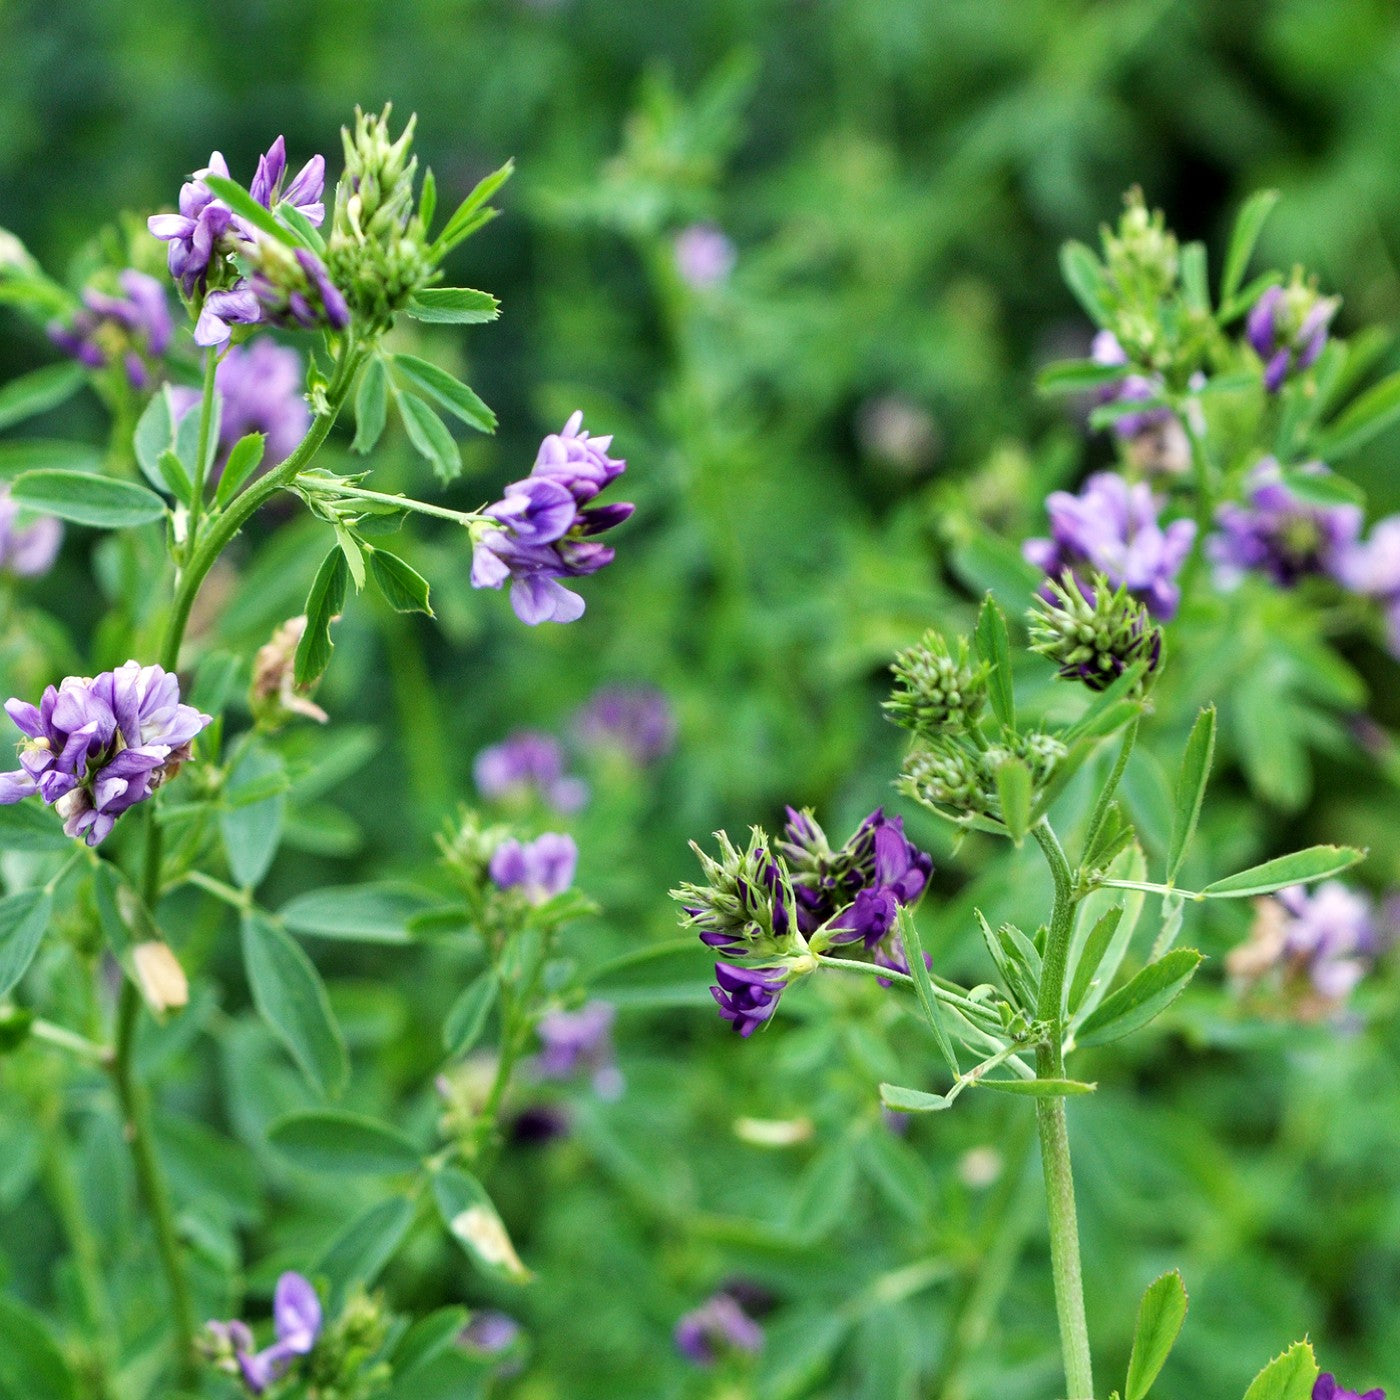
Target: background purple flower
[26, 550]
[634, 720]
[135, 326]
[528, 763]
[1115, 529]
[1275, 533]
[577, 1042]
[705, 256]
[296, 1320]
[1132, 388]
[719, 1325]
[539, 869]
[1372, 569]
[546, 524]
[96, 747]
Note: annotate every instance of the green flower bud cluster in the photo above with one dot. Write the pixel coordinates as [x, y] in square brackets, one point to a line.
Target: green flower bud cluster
[377, 251]
[347, 1363]
[467, 847]
[746, 903]
[1144, 260]
[936, 690]
[1094, 633]
[957, 780]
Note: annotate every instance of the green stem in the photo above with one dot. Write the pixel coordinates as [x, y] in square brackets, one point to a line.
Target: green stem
[1054, 1130]
[137, 1124]
[206, 424]
[359, 493]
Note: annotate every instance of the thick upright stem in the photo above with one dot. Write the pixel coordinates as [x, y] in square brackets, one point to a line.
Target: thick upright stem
[1054, 1131]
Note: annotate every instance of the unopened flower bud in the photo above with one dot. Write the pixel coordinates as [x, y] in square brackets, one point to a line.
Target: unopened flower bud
[944, 775]
[1287, 329]
[1143, 257]
[935, 690]
[273, 696]
[1093, 633]
[163, 982]
[746, 905]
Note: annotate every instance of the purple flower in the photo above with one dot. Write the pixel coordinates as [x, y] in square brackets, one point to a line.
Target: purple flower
[527, 762]
[1114, 528]
[1372, 569]
[1287, 329]
[718, 1326]
[296, 1320]
[747, 996]
[26, 550]
[539, 868]
[1275, 533]
[96, 747]
[636, 721]
[574, 1042]
[206, 227]
[260, 387]
[489, 1332]
[894, 956]
[1131, 388]
[1331, 933]
[705, 256]
[546, 522]
[134, 327]
[292, 290]
[1326, 1388]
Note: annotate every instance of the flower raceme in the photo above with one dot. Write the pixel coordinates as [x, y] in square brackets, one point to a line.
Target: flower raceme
[296, 1320]
[134, 327]
[539, 869]
[545, 523]
[94, 748]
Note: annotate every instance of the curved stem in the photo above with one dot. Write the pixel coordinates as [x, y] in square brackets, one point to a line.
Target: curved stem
[137, 1125]
[206, 424]
[1054, 1130]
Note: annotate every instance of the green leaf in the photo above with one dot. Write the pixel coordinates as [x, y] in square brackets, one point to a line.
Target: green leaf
[33, 454]
[904, 1100]
[31, 1364]
[359, 1253]
[354, 555]
[1085, 278]
[429, 436]
[1246, 297]
[1325, 489]
[251, 827]
[1160, 1315]
[427, 1339]
[173, 476]
[243, 461]
[85, 499]
[923, 987]
[1191, 788]
[1194, 283]
[994, 648]
[291, 998]
[1095, 946]
[1014, 790]
[1248, 227]
[1038, 1088]
[427, 198]
[28, 826]
[1077, 376]
[1300, 868]
[1372, 413]
[323, 605]
[245, 206]
[39, 391]
[817, 1201]
[469, 1214]
[404, 589]
[343, 1144]
[472, 211]
[453, 305]
[23, 919]
[1141, 999]
[467, 1019]
[302, 227]
[155, 434]
[360, 913]
[447, 391]
[1287, 1377]
[371, 405]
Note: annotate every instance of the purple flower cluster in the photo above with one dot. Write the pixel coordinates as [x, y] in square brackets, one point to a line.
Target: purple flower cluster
[284, 287]
[1371, 567]
[1326, 1388]
[747, 997]
[1115, 529]
[26, 550]
[260, 387]
[576, 1042]
[633, 720]
[296, 1320]
[544, 525]
[718, 1327]
[705, 256]
[539, 869]
[1287, 329]
[95, 747]
[134, 327]
[1132, 388]
[1274, 532]
[528, 764]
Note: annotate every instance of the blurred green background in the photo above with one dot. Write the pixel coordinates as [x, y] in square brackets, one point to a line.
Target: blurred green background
[819, 450]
